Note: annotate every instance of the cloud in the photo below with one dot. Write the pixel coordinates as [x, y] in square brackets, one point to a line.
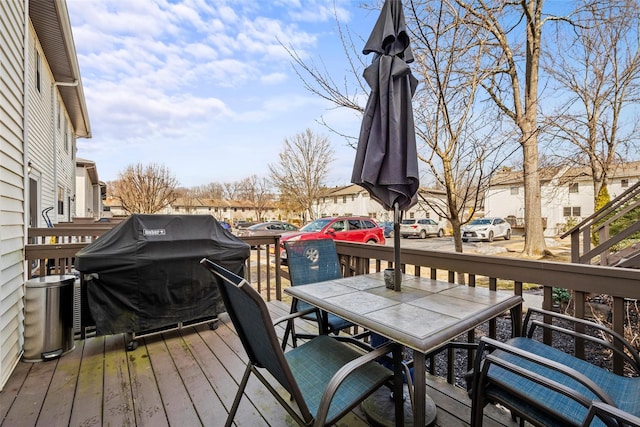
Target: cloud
[161, 74]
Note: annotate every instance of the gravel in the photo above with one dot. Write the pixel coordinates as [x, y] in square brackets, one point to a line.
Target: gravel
[594, 353]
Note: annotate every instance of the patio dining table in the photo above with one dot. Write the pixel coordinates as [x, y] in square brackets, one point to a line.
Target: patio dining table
[425, 315]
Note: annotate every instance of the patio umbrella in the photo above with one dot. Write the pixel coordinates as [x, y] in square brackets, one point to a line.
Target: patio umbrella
[386, 163]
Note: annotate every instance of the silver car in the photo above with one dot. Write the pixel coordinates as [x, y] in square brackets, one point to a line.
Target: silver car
[486, 229]
[267, 229]
[420, 228]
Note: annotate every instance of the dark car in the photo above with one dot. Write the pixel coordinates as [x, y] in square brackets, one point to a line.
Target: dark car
[267, 229]
[352, 229]
[387, 226]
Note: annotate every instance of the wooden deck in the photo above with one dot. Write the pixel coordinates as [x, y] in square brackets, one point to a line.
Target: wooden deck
[180, 378]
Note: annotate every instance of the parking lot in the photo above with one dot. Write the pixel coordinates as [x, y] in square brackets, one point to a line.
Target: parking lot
[499, 246]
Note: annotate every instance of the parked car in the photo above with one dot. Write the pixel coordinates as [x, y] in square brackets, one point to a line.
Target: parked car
[351, 229]
[243, 224]
[421, 227]
[225, 225]
[486, 229]
[387, 227]
[267, 229]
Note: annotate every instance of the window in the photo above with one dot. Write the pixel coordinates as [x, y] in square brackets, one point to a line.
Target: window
[37, 70]
[573, 211]
[60, 200]
[339, 226]
[372, 215]
[59, 116]
[573, 187]
[344, 199]
[624, 183]
[335, 199]
[354, 224]
[515, 191]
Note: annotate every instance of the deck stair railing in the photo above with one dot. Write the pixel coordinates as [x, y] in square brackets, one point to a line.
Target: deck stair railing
[599, 224]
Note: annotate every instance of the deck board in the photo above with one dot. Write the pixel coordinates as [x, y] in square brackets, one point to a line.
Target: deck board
[56, 410]
[118, 398]
[178, 378]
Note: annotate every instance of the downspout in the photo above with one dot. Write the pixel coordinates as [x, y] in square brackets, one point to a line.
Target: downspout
[54, 109]
[25, 132]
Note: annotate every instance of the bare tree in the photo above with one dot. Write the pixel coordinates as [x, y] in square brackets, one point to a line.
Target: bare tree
[212, 190]
[599, 68]
[449, 121]
[513, 86]
[257, 192]
[145, 189]
[302, 169]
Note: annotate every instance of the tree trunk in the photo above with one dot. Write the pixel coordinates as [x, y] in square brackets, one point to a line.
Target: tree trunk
[534, 243]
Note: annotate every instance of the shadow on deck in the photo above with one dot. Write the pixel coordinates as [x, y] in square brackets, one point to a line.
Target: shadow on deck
[179, 378]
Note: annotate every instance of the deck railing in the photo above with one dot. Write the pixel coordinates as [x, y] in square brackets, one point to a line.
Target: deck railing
[618, 286]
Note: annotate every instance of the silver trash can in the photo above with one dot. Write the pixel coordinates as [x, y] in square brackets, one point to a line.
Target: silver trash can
[48, 318]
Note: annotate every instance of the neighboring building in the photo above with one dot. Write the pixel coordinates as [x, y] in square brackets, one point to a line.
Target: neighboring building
[567, 194]
[355, 200]
[44, 112]
[222, 210]
[90, 191]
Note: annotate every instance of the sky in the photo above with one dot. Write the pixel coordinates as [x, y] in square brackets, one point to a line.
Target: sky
[205, 88]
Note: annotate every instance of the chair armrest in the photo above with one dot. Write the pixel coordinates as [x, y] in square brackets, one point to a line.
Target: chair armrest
[344, 372]
[481, 374]
[607, 411]
[628, 352]
[293, 315]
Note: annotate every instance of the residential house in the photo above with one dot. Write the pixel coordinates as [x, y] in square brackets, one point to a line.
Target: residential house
[355, 200]
[44, 112]
[223, 210]
[90, 191]
[567, 194]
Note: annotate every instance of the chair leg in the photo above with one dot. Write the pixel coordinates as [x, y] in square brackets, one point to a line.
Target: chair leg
[236, 400]
[290, 328]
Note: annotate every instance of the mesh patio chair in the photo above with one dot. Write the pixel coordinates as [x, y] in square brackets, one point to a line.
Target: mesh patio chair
[325, 377]
[548, 387]
[312, 261]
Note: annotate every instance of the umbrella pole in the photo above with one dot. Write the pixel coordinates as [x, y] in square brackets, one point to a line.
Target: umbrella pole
[396, 248]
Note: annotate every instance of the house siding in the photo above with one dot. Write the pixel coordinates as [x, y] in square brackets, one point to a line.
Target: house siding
[12, 191]
[556, 196]
[40, 132]
[353, 200]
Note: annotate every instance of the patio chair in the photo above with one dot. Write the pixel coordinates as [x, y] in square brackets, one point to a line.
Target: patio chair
[312, 261]
[548, 387]
[325, 377]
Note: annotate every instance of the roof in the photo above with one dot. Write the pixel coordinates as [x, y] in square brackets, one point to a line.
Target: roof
[90, 167]
[354, 189]
[50, 20]
[508, 176]
[565, 174]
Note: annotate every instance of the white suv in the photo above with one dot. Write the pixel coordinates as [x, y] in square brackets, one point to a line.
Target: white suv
[486, 229]
[420, 228]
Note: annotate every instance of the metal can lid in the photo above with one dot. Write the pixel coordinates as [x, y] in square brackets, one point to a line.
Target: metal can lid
[51, 281]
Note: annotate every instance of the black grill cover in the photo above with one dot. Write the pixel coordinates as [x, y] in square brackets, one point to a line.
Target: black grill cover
[144, 274]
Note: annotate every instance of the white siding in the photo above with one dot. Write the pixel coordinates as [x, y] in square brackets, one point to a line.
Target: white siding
[12, 192]
[40, 135]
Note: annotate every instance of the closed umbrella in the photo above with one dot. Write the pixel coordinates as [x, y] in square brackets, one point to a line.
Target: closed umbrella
[386, 163]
